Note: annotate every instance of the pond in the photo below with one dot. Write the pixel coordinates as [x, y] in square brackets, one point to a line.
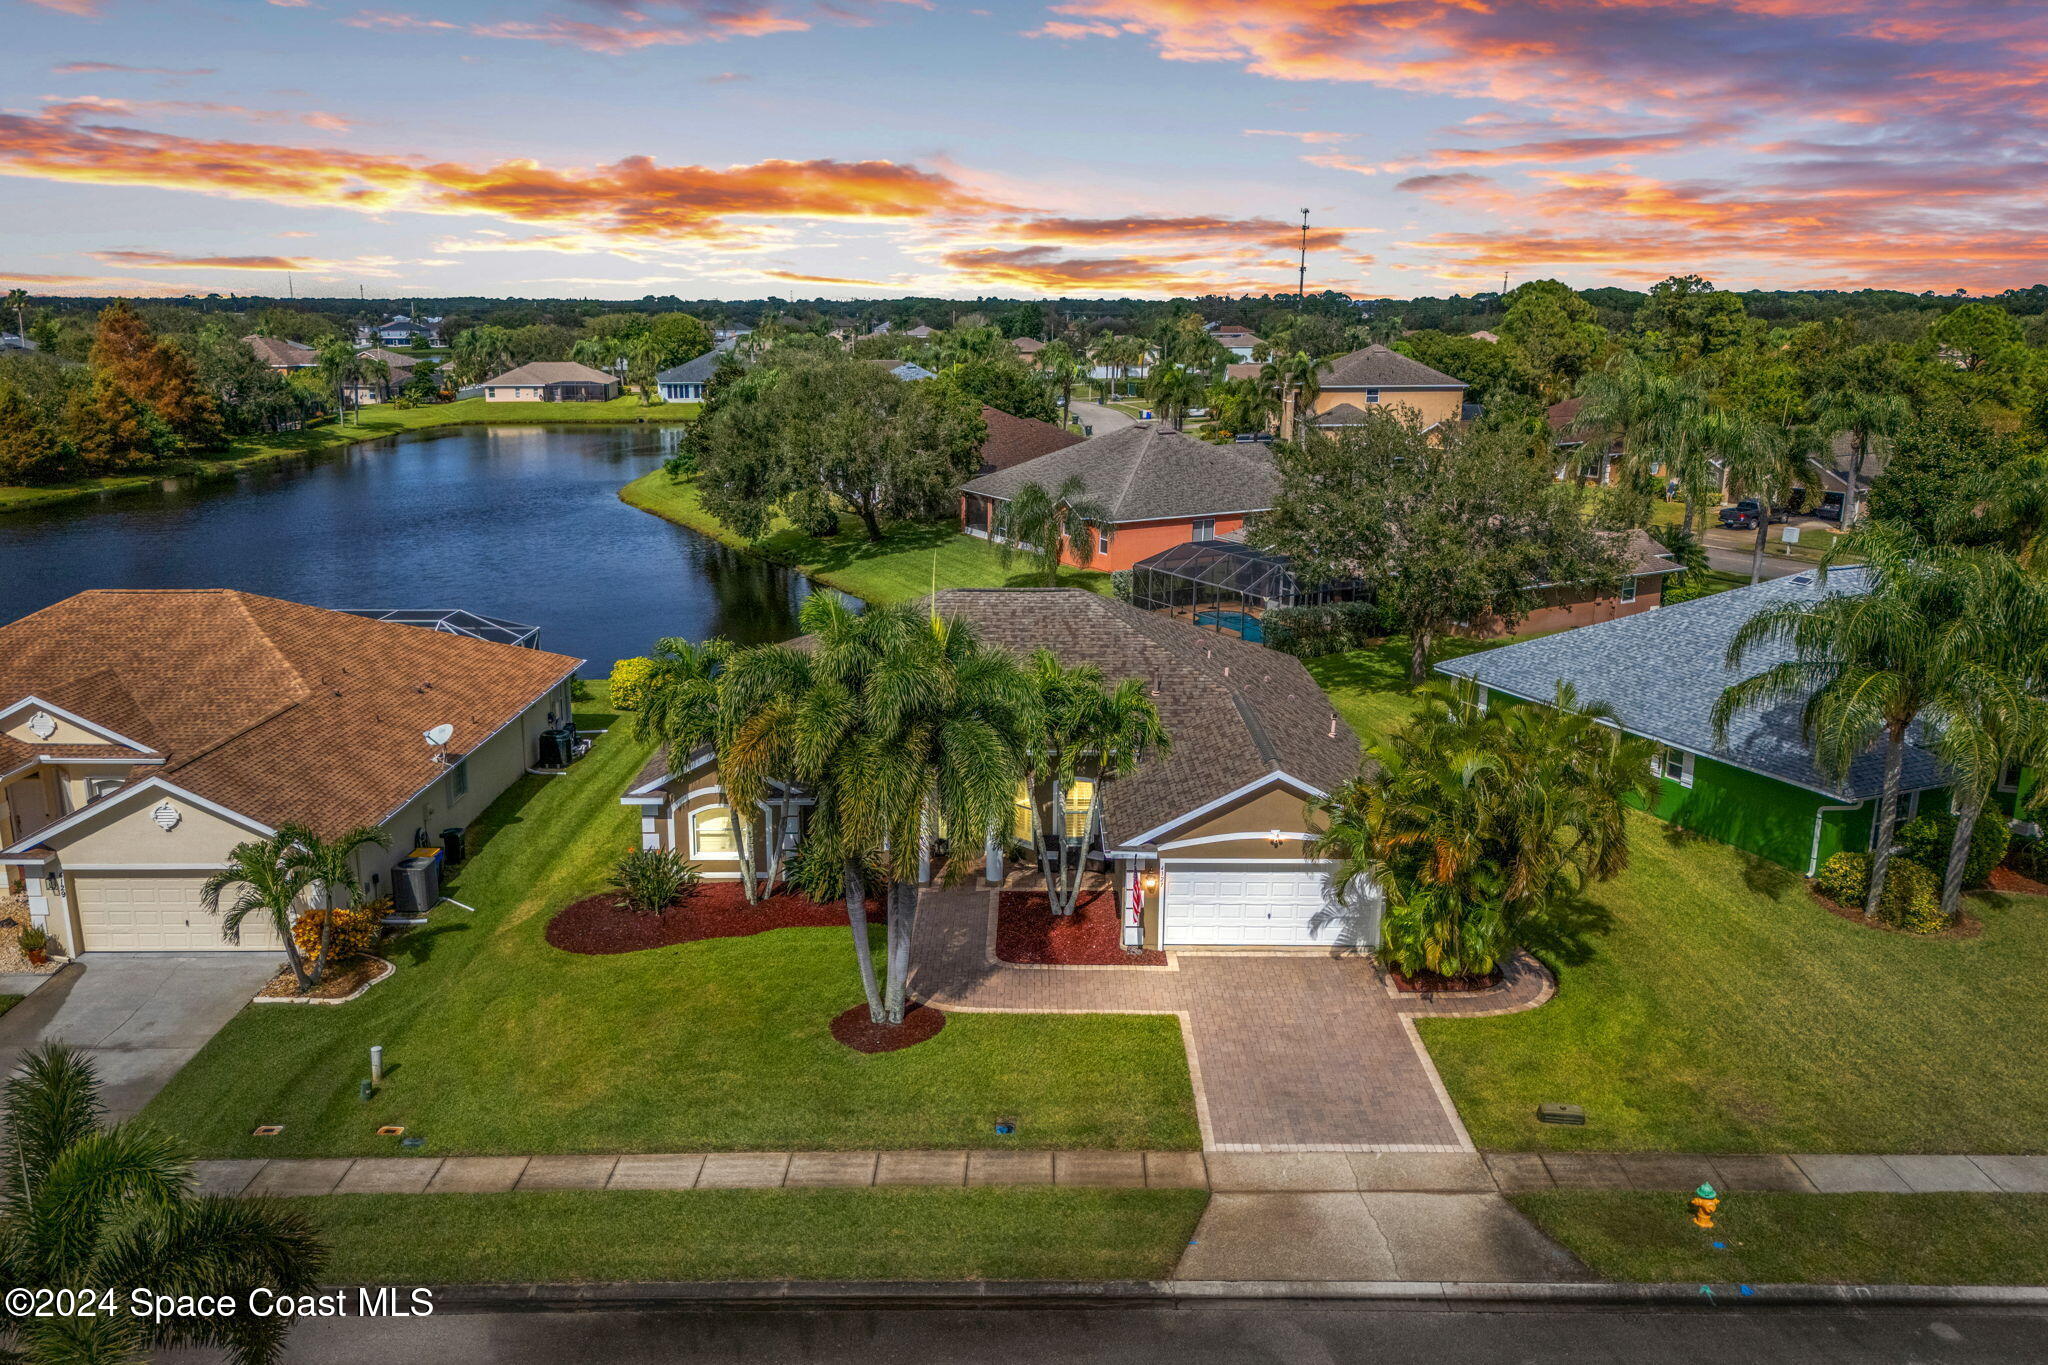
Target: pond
[518, 522]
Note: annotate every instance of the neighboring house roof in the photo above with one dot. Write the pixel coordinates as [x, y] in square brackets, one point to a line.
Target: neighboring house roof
[395, 359]
[1646, 557]
[1343, 415]
[902, 369]
[1236, 712]
[1562, 416]
[697, 371]
[1376, 367]
[280, 354]
[1482, 336]
[920, 331]
[1662, 672]
[401, 325]
[1242, 369]
[1028, 345]
[277, 711]
[1013, 440]
[1148, 472]
[551, 372]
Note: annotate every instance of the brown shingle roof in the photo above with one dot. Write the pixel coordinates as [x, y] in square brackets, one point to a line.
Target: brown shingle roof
[1013, 440]
[280, 354]
[1236, 712]
[1377, 367]
[273, 709]
[552, 372]
[1149, 472]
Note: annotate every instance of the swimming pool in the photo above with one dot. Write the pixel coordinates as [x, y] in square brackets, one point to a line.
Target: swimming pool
[1236, 622]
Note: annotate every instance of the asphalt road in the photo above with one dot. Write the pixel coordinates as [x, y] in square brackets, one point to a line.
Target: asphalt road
[1286, 1333]
[1738, 562]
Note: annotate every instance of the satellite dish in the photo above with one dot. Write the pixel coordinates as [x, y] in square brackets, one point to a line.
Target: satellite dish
[440, 735]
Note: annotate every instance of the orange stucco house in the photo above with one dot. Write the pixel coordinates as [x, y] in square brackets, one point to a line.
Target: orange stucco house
[1162, 488]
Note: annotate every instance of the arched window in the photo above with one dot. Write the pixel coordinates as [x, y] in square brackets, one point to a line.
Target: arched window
[711, 834]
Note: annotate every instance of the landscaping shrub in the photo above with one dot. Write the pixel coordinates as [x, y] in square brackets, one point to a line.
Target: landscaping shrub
[1926, 839]
[649, 879]
[1845, 878]
[1120, 584]
[2029, 858]
[629, 683]
[1332, 628]
[1911, 899]
[354, 935]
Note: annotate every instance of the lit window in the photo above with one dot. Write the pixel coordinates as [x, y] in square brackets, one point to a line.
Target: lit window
[711, 833]
[1020, 816]
[1080, 802]
[1205, 528]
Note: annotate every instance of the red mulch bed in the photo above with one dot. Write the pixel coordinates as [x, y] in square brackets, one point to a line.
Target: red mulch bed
[2015, 883]
[1028, 932]
[1430, 982]
[857, 1029]
[598, 925]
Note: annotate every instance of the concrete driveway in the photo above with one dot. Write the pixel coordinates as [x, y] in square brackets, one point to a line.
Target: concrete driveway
[138, 1016]
[1099, 419]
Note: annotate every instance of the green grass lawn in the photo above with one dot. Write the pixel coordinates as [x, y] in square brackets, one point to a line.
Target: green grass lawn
[870, 1234]
[1370, 687]
[8, 1002]
[901, 568]
[1706, 1003]
[1803, 1238]
[373, 423]
[497, 1043]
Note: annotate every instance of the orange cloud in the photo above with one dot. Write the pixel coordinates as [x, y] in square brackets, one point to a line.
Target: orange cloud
[1042, 270]
[165, 260]
[89, 106]
[84, 9]
[797, 278]
[706, 21]
[1265, 232]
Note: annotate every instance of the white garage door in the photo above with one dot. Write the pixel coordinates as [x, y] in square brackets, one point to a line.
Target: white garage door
[1251, 904]
[157, 912]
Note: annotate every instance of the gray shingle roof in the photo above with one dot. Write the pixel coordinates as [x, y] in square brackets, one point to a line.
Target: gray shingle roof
[1662, 672]
[1378, 367]
[697, 371]
[1343, 415]
[1148, 471]
[551, 372]
[1236, 712]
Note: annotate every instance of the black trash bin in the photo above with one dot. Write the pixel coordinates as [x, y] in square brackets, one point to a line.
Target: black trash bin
[451, 845]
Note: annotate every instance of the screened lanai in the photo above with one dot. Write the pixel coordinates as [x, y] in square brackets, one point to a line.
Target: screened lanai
[1224, 585]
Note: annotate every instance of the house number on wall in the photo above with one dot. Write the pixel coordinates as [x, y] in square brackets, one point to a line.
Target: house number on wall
[167, 816]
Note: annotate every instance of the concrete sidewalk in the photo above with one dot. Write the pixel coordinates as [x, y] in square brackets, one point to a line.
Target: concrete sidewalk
[1250, 1173]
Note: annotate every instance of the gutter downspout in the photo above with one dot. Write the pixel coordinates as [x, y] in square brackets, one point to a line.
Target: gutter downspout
[1820, 814]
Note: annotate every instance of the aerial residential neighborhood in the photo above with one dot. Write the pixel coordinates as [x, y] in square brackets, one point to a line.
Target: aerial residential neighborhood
[659, 703]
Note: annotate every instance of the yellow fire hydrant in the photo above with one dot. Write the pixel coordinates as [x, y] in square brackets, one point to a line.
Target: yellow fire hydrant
[1704, 1201]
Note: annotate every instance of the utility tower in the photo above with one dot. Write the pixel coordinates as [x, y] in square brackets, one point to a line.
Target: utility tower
[1301, 278]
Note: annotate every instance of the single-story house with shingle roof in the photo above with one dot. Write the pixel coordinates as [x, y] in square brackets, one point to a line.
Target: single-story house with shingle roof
[1014, 440]
[552, 381]
[1206, 843]
[283, 356]
[1376, 374]
[144, 734]
[685, 383]
[1663, 673]
[1162, 487]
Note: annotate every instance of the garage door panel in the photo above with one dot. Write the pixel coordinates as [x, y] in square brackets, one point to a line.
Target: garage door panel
[157, 912]
[1276, 905]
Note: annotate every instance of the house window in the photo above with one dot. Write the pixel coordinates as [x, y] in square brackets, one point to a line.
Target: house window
[1080, 803]
[458, 781]
[1020, 814]
[1102, 542]
[96, 787]
[1205, 528]
[1628, 591]
[1372, 395]
[1675, 765]
[711, 834]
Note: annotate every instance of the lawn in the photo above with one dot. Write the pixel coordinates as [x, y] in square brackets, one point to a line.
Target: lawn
[1706, 1003]
[902, 568]
[870, 1234]
[1803, 1238]
[1370, 687]
[373, 423]
[497, 1043]
[8, 1002]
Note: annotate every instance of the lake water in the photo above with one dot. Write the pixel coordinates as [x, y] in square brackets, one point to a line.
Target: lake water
[518, 522]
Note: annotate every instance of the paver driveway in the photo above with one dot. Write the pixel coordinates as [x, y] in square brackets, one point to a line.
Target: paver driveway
[1289, 1051]
[138, 1016]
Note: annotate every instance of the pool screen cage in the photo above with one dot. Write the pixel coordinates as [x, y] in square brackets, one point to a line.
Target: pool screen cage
[1223, 585]
[456, 621]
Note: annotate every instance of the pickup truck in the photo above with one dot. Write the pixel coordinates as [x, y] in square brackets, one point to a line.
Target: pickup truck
[1742, 516]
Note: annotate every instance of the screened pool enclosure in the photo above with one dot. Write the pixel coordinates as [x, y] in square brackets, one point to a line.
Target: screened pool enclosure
[1224, 586]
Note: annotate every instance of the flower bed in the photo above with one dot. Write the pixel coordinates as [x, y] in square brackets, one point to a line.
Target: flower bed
[1027, 932]
[2013, 882]
[857, 1029]
[337, 987]
[601, 924]
[1429, 983]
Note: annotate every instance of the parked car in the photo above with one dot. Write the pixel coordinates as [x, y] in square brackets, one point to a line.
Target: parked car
[1742, 516]
[1830, 508]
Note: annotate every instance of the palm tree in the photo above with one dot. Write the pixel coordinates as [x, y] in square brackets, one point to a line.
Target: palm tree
[480, 352]
[112, 1208]
[2011, 504]
[1863, 668]
[340, 366]
[268, 881]
[1061, 368]
[1867, 407]
[1479, 826]
[682, 708]
[1296, 373]
[1174, 390]
[1082, 732]
[1241, 405]
[17, 299]
[1759, 461]
[329, 865]
[1649, 410]
[1049, 525]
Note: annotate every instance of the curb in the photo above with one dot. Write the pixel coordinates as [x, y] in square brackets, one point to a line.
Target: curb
[1425, 1294]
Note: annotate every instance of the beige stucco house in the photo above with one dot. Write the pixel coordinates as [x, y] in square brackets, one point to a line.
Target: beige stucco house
[551, 381]
[1205, 844]
[144, 734]
[1378, 377]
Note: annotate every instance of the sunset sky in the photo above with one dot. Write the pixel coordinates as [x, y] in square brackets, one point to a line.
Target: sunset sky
[849, 148]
